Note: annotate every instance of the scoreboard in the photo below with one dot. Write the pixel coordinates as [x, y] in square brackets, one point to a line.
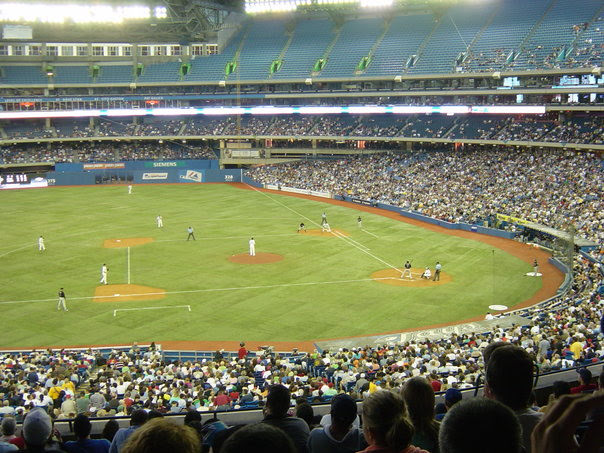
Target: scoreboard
[14, 178]
[23, 176]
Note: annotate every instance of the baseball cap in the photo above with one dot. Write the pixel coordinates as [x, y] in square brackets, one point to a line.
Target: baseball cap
[343, 408]
[37, 427]
[453, 395]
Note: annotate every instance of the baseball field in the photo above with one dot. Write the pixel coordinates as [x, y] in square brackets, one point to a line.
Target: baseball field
[161, 287]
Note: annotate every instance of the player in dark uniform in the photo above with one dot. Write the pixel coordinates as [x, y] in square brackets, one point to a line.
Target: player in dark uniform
[360, 222]
[302, 227]
[323, 219]
[407, 270]
[61, 303]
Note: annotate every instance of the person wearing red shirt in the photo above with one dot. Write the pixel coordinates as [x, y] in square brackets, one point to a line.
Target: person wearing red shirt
[242, 353]
[584, 382]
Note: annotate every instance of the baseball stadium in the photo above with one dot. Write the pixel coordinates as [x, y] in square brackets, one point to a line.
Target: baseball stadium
[271, 223]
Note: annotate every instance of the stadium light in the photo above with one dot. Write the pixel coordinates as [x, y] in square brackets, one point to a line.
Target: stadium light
[275, 6]
[60, 13]
[280, 110]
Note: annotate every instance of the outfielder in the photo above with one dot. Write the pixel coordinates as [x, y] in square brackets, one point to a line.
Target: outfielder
[129, 189]
[252, 247]
[160, 221]
[61, 303]
[41, 246]
[407, 270]
[104, 274]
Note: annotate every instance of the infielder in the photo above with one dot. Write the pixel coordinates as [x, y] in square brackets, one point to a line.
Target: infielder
[160, 221]
[252, 247]
[104, 274]
[407, 270]
[61, 303]
[41, 246]
[302, 227]
[325, 227]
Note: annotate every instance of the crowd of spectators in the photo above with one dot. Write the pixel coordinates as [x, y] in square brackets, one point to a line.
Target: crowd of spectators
[102, 152]
[574, 129]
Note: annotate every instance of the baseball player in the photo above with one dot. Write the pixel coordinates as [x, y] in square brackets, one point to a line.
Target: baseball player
[104, 274]
[41, 246]
[325, 227]
[535, 267]
[129, 189]
[437, 269]
[407, 270]
[160, 221]
[191, 235]
[323, 218]
[427, 273]
[302, 227]
[360, 222]
[61, 303]
[252, 247]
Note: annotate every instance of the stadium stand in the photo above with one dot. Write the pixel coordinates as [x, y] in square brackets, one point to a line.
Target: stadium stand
[310, 40]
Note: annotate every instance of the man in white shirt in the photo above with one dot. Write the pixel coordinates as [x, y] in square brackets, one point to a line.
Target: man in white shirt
[41, 246]
[104, 274]
[252, 247]
[160, 221]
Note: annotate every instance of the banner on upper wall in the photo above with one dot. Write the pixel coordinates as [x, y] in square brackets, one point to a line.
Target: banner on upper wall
[196, 164]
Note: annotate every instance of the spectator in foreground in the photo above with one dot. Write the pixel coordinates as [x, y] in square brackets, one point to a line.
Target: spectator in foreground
[110, 428]
[585, 384]
[386, 426]
[82, 428]
[162, 436]
[556, 431]
[340, 436]
[419, 398]
[559, 388]
[509, 380]
[9, 427]
[479, 425]
[452, 396]
[137, 419]
[258, 438]
[275, 413]
[37, 430]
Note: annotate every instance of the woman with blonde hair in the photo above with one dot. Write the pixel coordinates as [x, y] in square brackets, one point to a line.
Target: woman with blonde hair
[386, 426]
[160, 436]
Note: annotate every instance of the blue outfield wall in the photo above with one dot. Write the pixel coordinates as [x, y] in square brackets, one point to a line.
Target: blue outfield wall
[141, 172]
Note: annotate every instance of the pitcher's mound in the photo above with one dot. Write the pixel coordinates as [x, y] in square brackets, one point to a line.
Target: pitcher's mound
[122, 293]
[125, 242]
[393, 277]
[259, 258]
[318, 232]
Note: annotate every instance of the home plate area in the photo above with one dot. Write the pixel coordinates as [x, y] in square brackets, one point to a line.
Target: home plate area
[122, 293]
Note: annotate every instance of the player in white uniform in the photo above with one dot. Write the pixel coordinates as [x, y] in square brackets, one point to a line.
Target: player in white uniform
[129, 189]
[104, 274]
[325, 227]
[252, 247]
[427, 274]
[160, 221]
[41, 246]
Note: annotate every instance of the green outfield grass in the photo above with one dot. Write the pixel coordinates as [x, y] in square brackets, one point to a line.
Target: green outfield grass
[338, 300]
